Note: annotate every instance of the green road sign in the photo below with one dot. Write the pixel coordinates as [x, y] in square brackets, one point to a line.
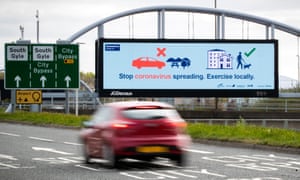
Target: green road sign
[41, 66]
[67, 60]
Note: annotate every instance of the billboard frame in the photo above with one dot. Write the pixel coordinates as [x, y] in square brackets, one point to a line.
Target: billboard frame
[181, 92]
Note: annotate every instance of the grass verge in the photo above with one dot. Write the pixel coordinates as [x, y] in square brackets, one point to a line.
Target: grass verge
[246, 134]
[237, 133]
[44, 118]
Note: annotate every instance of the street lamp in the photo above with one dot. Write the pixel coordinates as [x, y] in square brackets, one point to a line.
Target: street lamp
[37, 26]
[22, 32]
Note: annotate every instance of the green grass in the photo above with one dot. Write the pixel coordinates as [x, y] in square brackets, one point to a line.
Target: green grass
[44, 118]
[246, 133]
[237, 133]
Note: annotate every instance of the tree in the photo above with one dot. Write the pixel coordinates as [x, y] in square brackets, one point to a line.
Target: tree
[88, 78]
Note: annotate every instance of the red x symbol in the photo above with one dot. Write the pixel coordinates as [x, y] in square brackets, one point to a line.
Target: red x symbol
[161, 52]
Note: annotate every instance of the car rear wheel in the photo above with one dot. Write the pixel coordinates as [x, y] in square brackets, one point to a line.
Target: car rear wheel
[86, 155]
[180, 160]
[109, 156]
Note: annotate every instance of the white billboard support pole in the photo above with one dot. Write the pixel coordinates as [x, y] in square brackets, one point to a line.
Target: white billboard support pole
[272, 31]
[161, 24]
[223, 26]
[267, 32]
[100, 31]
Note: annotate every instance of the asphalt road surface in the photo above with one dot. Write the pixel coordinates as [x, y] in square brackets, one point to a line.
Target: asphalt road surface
[38, 153]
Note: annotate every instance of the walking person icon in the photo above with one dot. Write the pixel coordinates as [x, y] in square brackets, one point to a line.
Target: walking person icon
[240, 60]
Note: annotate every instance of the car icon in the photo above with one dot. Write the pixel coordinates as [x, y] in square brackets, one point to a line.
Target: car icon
[147, 62]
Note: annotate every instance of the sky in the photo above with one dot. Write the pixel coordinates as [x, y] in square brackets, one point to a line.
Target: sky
[59, 19]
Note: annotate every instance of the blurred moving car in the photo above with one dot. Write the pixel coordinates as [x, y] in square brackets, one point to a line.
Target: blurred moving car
[148, 62]
[138, 130]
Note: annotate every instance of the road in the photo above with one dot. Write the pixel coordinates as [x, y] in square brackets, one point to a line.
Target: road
[30, 152]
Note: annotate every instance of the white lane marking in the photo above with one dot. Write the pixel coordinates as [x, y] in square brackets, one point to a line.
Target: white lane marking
[69, 160]
[8, 165]
[162, 175]
[181, 174]
[85, 167]
[41, 139]
[51, 150]
[9, 134]
[71, 143]
[165, 164]
[130, 175]
[198, 151]
[4, 156]
[204, 171]
[60, 160]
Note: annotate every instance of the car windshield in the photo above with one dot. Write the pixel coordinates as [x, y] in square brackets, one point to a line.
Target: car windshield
[146, 114]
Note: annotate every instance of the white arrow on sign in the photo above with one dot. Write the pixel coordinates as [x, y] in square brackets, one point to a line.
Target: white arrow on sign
[17, 79]
[51, 150]
[43, 79]
[67, 79]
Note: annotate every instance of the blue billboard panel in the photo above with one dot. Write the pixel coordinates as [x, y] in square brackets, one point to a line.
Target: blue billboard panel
[187, 68]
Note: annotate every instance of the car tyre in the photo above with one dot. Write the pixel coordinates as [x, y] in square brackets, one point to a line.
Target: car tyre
[86, 155]
[180, 160]
[109, 156]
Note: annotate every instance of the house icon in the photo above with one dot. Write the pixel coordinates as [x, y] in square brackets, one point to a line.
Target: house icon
[219, 59]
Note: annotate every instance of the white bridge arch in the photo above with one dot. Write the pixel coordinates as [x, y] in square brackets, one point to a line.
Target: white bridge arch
[220, 14]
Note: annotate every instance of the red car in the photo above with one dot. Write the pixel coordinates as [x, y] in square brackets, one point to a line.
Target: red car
[138, 130]
[148, 62]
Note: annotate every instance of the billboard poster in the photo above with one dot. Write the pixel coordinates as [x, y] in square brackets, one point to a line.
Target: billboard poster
[185, 68]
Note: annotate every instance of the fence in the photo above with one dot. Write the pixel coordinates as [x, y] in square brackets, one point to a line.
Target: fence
[240, 104]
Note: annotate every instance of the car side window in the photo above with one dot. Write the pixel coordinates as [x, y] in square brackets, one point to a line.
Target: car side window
[104, 114]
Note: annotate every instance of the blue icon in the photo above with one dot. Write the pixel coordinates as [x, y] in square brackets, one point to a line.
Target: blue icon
[176, 62]
[241, 62]
[219, 59]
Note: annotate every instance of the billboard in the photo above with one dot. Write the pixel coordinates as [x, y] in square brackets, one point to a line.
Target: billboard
[186, 68]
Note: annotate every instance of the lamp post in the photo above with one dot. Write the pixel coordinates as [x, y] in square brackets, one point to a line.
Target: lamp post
[37, 26]
[22, 32]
